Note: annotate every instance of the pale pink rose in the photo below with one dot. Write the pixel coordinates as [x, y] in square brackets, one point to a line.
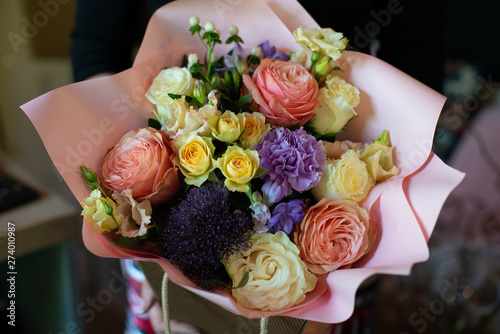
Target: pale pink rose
[334, 234]
[284, 90]
[143, 162]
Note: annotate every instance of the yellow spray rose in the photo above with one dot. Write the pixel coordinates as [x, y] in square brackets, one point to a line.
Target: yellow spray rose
[195, 158]
[228, 127]
[379, 161]
[256, 127]
[278, 279]
[239, 167]
[346, 178]
[94, 211]
[337, 102]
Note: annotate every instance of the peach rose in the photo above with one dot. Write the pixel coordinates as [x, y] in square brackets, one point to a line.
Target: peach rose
[285, 92]
[143, 162]
[334, 234]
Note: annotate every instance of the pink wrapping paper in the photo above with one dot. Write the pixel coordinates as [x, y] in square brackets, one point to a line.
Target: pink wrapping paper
[79, 122]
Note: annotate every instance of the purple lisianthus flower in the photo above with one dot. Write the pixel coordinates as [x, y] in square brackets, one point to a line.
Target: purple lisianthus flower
[285, 215]
[294, 160]
[230, 60]
[270, 51]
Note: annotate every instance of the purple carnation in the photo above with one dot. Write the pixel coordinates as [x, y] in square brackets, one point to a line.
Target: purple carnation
[285, 215]
[294, 160]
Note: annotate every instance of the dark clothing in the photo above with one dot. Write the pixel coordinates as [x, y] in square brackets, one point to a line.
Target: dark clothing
[410, 33]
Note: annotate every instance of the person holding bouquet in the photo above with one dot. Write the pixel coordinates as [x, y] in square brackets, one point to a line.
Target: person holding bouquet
[91, 57]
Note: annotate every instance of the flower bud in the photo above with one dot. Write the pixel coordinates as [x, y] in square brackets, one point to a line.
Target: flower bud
[236, 78]
[233, 30]
[194, 20]
[192, 59]
[241, 65]
[200, 92]
[256, 51]
[321, 67]
[210, 26]
[217, 32]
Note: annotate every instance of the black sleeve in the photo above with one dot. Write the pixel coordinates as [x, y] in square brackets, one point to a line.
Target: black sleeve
[411, 33]
[414, 39]
[103, 36]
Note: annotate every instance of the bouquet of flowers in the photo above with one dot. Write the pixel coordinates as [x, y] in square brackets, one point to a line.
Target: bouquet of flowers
[234, 172]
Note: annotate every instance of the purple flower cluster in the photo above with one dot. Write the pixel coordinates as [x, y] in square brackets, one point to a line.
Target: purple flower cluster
[269, 51]
[294, 160]
[285, 215]
[203, 229]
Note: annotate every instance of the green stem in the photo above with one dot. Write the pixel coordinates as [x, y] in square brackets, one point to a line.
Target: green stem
[314, 59]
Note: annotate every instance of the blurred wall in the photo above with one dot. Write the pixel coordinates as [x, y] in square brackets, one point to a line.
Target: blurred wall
[34, 59]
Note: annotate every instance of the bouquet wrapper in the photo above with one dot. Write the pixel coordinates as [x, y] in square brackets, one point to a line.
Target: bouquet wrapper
[78, 123]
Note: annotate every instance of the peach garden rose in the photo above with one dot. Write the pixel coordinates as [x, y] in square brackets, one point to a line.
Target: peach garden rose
[333, 235]
[285, 92]
[143, 162]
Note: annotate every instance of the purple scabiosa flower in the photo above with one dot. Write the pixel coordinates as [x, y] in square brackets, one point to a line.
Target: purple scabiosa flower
[269, 51]
[294, 160]
[203, 229]
[285, 215]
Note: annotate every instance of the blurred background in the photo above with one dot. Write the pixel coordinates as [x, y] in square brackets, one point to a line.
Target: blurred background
[60, 287]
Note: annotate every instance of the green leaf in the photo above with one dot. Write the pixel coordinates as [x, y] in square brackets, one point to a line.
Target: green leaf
[259, 172]
[174, 96]
[244, 280]
[194, 29]
[184, 60]
[244, 99]
[208, 282]
[213, 177]
[382, 139]
[123, 240]
[154, 123]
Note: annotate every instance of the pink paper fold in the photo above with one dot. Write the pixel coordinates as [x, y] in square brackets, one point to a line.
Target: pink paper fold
[79, 122]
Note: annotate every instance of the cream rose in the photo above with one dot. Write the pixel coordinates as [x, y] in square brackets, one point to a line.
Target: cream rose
[256, 127]
[228, 127]
[195, 158]
[347, 178]
[94, 211]
[137, 215]
[278, 279]
[239, 167]
[324, 40]
[378, 159]
[337, 102]
[334, 234]
[174, 80]
[179, 119]
[143, 162]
